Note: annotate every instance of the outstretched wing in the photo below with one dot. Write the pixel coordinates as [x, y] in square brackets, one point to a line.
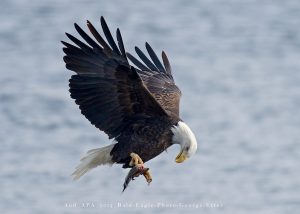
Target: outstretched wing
[158, 79]
[107, 89]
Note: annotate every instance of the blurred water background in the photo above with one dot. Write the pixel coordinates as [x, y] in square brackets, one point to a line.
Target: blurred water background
[238, 66]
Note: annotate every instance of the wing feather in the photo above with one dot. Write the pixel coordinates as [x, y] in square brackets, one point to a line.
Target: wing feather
[80, 44]
[147, 62]
[107, 89]
[108, 36]
[137, 62]
[158, 80]
[120, 42]
[154, 58]
[98, 37]
[87, 38]
[167, 64]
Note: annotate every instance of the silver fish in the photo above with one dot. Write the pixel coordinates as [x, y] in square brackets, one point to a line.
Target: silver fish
[134, 172]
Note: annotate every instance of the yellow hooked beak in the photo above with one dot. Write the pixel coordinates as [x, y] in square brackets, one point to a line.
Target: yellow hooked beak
[180, 157]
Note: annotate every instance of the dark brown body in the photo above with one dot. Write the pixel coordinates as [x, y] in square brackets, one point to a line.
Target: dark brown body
[147, 137]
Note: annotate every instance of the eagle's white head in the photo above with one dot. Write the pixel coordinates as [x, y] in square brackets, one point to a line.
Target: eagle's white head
[184, 136]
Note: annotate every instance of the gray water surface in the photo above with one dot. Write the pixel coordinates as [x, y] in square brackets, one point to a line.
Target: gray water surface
[238, 66]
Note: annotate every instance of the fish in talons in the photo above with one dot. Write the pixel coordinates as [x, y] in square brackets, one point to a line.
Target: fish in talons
[137, 169]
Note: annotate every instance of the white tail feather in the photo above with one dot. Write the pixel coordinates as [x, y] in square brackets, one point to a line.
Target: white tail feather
[92, 159]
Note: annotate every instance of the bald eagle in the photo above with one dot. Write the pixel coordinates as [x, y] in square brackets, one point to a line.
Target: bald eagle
[136, 105]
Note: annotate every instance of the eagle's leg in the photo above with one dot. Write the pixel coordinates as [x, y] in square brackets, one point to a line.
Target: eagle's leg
[135, 159]
[138, 162]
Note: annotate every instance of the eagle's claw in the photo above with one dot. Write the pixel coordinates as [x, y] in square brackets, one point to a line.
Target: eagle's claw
[137, 170]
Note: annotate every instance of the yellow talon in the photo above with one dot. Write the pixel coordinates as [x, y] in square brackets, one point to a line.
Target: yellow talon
[148, 176]
[137, 161]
